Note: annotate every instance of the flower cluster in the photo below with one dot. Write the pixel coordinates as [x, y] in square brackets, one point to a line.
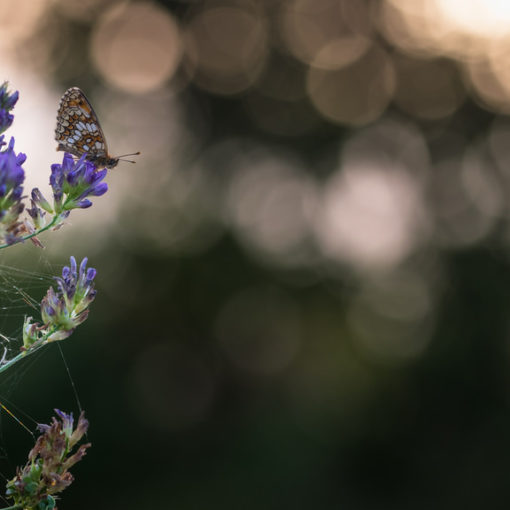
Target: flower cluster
[47, 471]
[72, 183]
[64, 309]
[12, 176]
[7, 102]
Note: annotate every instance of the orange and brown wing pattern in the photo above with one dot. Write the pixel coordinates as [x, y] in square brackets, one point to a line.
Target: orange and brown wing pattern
[78, 130]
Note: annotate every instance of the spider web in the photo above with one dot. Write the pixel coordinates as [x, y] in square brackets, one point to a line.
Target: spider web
[21, 291]
[20, 294]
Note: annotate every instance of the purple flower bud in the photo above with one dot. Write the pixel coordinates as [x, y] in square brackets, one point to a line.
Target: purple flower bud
[99, 190]
[6, 119]
[39, 199]
[16, 193]
[11, 100]
[73, 176]
[7, 102]
[36, 214]
[83, 266]
[84, 204]
[12, 177]
[67, 422]
[91, 274]
[21, 158]
[73, 266]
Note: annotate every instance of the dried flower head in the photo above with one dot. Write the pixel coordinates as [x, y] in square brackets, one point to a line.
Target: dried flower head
[46, 472]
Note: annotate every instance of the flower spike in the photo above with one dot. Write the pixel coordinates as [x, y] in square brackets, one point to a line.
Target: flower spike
[46, 472]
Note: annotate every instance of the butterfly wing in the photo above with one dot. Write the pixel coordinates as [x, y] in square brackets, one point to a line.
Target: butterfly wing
[78, 130]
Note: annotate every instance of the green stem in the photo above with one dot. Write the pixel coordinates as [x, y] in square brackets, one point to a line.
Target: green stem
[13, 507]
[37, 232]
[23, 354]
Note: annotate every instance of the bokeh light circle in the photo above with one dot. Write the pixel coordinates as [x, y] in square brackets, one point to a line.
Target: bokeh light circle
[136, 47]
[428, 88]
[337, 29]
[356, 94]
[226, 48]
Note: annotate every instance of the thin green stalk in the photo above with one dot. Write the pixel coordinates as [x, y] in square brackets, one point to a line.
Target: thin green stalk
[37, 232]
[13, 507]
[23, 354]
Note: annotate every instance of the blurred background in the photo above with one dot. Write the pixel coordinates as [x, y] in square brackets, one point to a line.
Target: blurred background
[304, 279]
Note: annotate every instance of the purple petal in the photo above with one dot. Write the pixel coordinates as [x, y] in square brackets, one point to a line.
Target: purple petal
[99, 190]
[73, 266]
[83, 266]
[91, 274]
[83, 204]
[67, 162]
[11, 100]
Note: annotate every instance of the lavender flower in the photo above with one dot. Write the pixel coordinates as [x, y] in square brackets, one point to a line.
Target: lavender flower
[36, 213]
[65, 309]
[47, 471]
[7, 102]
[72, 182]
[77, 288]
[12, 177]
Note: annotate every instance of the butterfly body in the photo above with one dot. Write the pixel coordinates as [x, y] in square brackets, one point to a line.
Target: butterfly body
[78, 130]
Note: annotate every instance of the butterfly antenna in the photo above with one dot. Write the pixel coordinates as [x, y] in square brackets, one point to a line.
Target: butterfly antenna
[132, 154]
[128, 160]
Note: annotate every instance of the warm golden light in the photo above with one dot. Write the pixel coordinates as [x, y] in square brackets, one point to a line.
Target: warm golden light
[489, 90]
[484, 18]
[475, 33]
[462, 29]
[18, 18]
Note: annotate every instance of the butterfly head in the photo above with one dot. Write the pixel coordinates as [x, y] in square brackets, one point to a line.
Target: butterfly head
[104, 162]
[108, 161]
[111, 162]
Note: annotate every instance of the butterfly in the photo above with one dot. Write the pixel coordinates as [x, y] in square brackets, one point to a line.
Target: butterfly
[78, 130]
